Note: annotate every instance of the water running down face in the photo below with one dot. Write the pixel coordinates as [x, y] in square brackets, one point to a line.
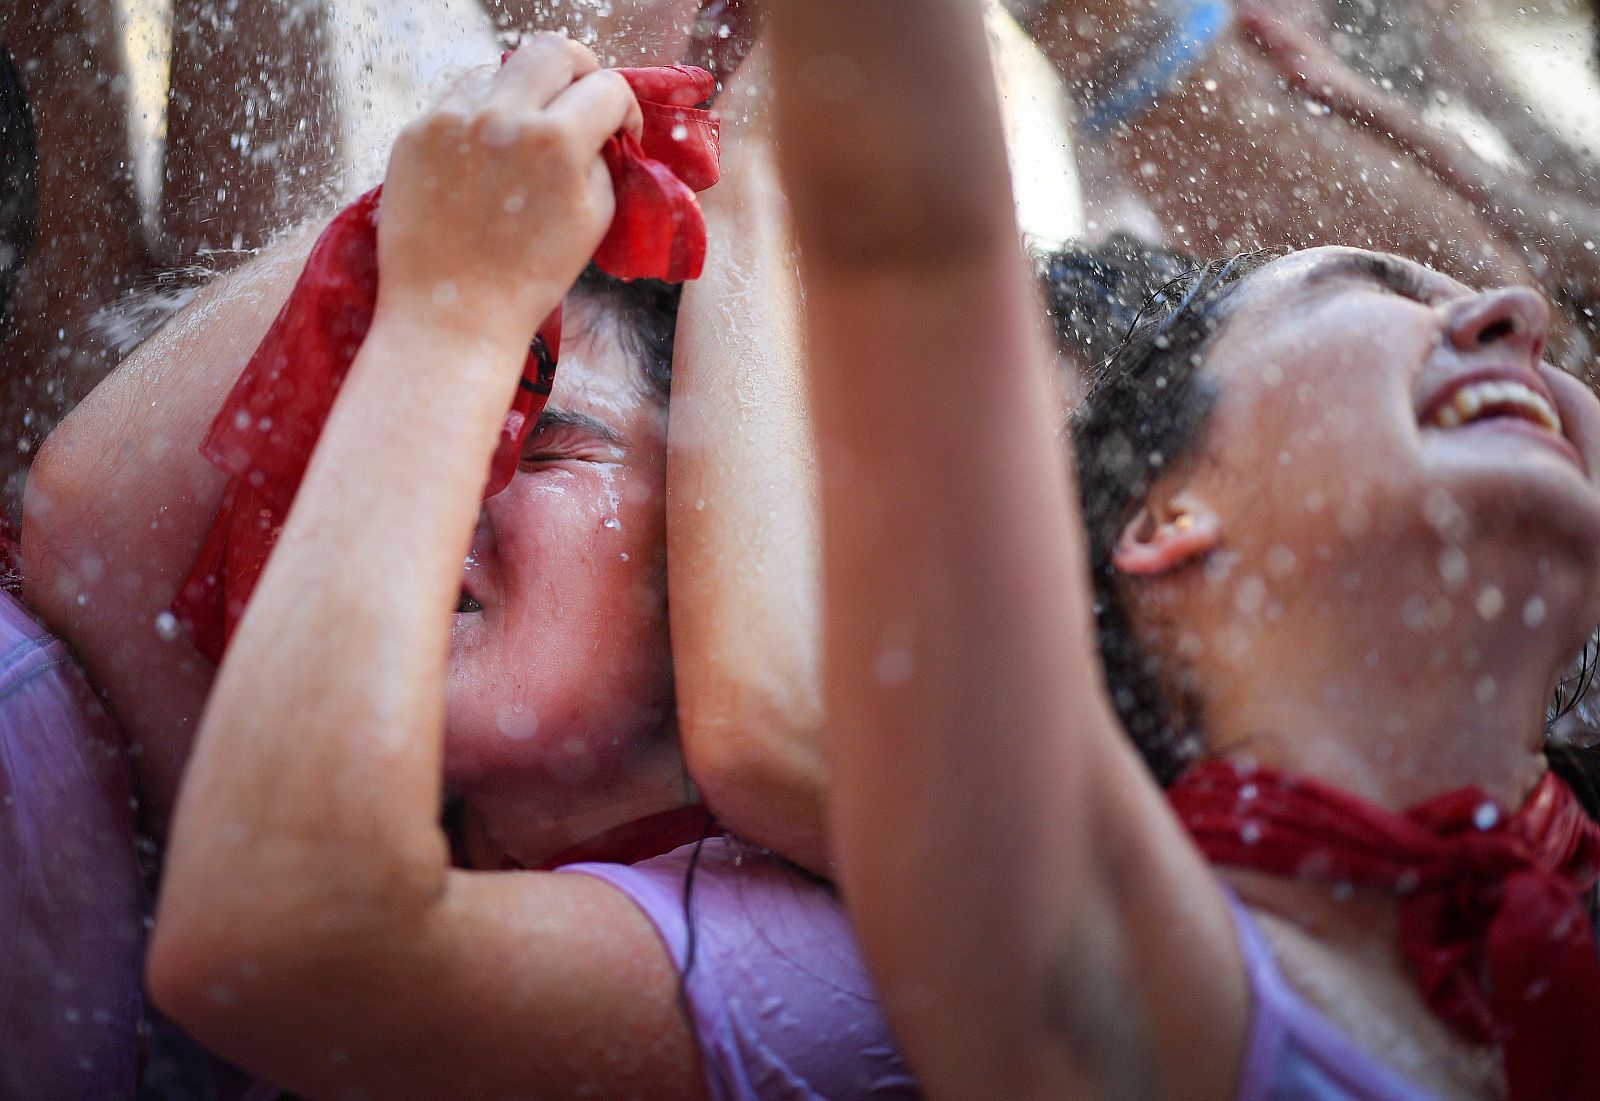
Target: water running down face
[559, 662]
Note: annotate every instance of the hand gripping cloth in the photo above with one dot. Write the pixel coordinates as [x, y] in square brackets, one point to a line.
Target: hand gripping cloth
[268, 426]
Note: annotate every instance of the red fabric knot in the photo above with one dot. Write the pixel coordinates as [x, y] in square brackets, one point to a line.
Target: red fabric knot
[1493, 915]
[268, 426]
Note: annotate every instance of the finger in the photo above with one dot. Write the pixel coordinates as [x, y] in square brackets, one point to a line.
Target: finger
[467, 90]
[597, 106]
[542, 69]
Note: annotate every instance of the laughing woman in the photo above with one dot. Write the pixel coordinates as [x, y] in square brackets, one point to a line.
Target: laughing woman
[1334, 538]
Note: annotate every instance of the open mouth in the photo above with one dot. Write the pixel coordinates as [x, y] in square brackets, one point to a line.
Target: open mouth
[1491, 399]
[466, 604]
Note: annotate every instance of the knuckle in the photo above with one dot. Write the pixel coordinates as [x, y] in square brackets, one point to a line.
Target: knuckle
[446, 122]
[613, 83]
[544, 136]
[582, 56]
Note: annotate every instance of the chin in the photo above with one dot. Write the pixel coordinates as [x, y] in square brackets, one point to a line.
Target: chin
[1526, 493]
[1541, 535]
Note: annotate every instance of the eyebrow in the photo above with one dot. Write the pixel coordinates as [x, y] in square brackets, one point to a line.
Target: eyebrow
[554, 418]
[1389, 272]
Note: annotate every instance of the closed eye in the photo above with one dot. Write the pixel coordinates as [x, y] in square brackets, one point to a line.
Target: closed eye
[1389, 273]
[1394, 275]
[563, 436]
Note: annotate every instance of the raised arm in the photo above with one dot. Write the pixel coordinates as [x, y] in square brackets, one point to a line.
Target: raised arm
[309, 925]
[1229, 116]
[1009, 864]
[742, 525]
[118, 503]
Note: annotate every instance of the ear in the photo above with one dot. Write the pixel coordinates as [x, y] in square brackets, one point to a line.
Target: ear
[1165, 535]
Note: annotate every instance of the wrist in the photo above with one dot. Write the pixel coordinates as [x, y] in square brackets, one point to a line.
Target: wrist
[474, 316]
[460, 370]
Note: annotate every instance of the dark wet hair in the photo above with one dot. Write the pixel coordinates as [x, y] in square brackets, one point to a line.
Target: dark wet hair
[1144, 407]
[1144, 411]
[642, 315]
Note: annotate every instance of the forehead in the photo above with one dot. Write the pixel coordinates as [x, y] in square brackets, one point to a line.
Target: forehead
[599, 373]
[1299, 273]
[1275, 302]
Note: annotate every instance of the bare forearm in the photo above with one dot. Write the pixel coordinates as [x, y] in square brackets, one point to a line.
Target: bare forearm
[957, 633]
[742, 538]
[354, 611]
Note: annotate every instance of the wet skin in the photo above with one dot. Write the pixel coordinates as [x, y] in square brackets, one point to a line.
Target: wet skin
[1356, 531]
[1328, 369]
[560, 670]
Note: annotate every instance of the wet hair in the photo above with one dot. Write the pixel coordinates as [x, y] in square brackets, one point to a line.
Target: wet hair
[642, 315]
[1144, 409]
[1573, 720]
[1144, 412]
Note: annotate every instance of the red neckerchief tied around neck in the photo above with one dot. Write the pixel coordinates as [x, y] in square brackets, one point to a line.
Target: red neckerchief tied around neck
[1493, 913]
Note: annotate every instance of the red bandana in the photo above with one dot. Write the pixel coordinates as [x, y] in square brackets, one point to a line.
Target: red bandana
[1492, 905]
[265, 432]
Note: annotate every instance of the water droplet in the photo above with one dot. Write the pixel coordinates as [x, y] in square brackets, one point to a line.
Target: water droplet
[1533, 612]
[166, 626]
[512, 721]
[1490, 602]
[1453, 566]
[1486, 816]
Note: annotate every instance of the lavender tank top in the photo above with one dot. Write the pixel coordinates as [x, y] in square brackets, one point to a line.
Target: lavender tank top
[71, 897]
[776, 989]
[1294, 1053]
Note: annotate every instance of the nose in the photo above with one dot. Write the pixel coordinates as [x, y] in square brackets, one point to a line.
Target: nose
[1513, 320]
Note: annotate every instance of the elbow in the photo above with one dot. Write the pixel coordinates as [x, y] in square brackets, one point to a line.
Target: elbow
[181, 978]
[55, 520]
[761, 768]
[218, 986]
[241, 947]
[241, 983]
[746, 738]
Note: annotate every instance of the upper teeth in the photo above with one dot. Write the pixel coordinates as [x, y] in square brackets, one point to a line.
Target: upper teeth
[1480, 399]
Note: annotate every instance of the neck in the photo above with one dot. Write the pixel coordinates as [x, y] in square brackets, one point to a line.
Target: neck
[535, 819]
[1388, 710]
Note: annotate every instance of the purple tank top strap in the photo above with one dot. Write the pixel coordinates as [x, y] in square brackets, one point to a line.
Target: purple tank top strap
[1294, 1053]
